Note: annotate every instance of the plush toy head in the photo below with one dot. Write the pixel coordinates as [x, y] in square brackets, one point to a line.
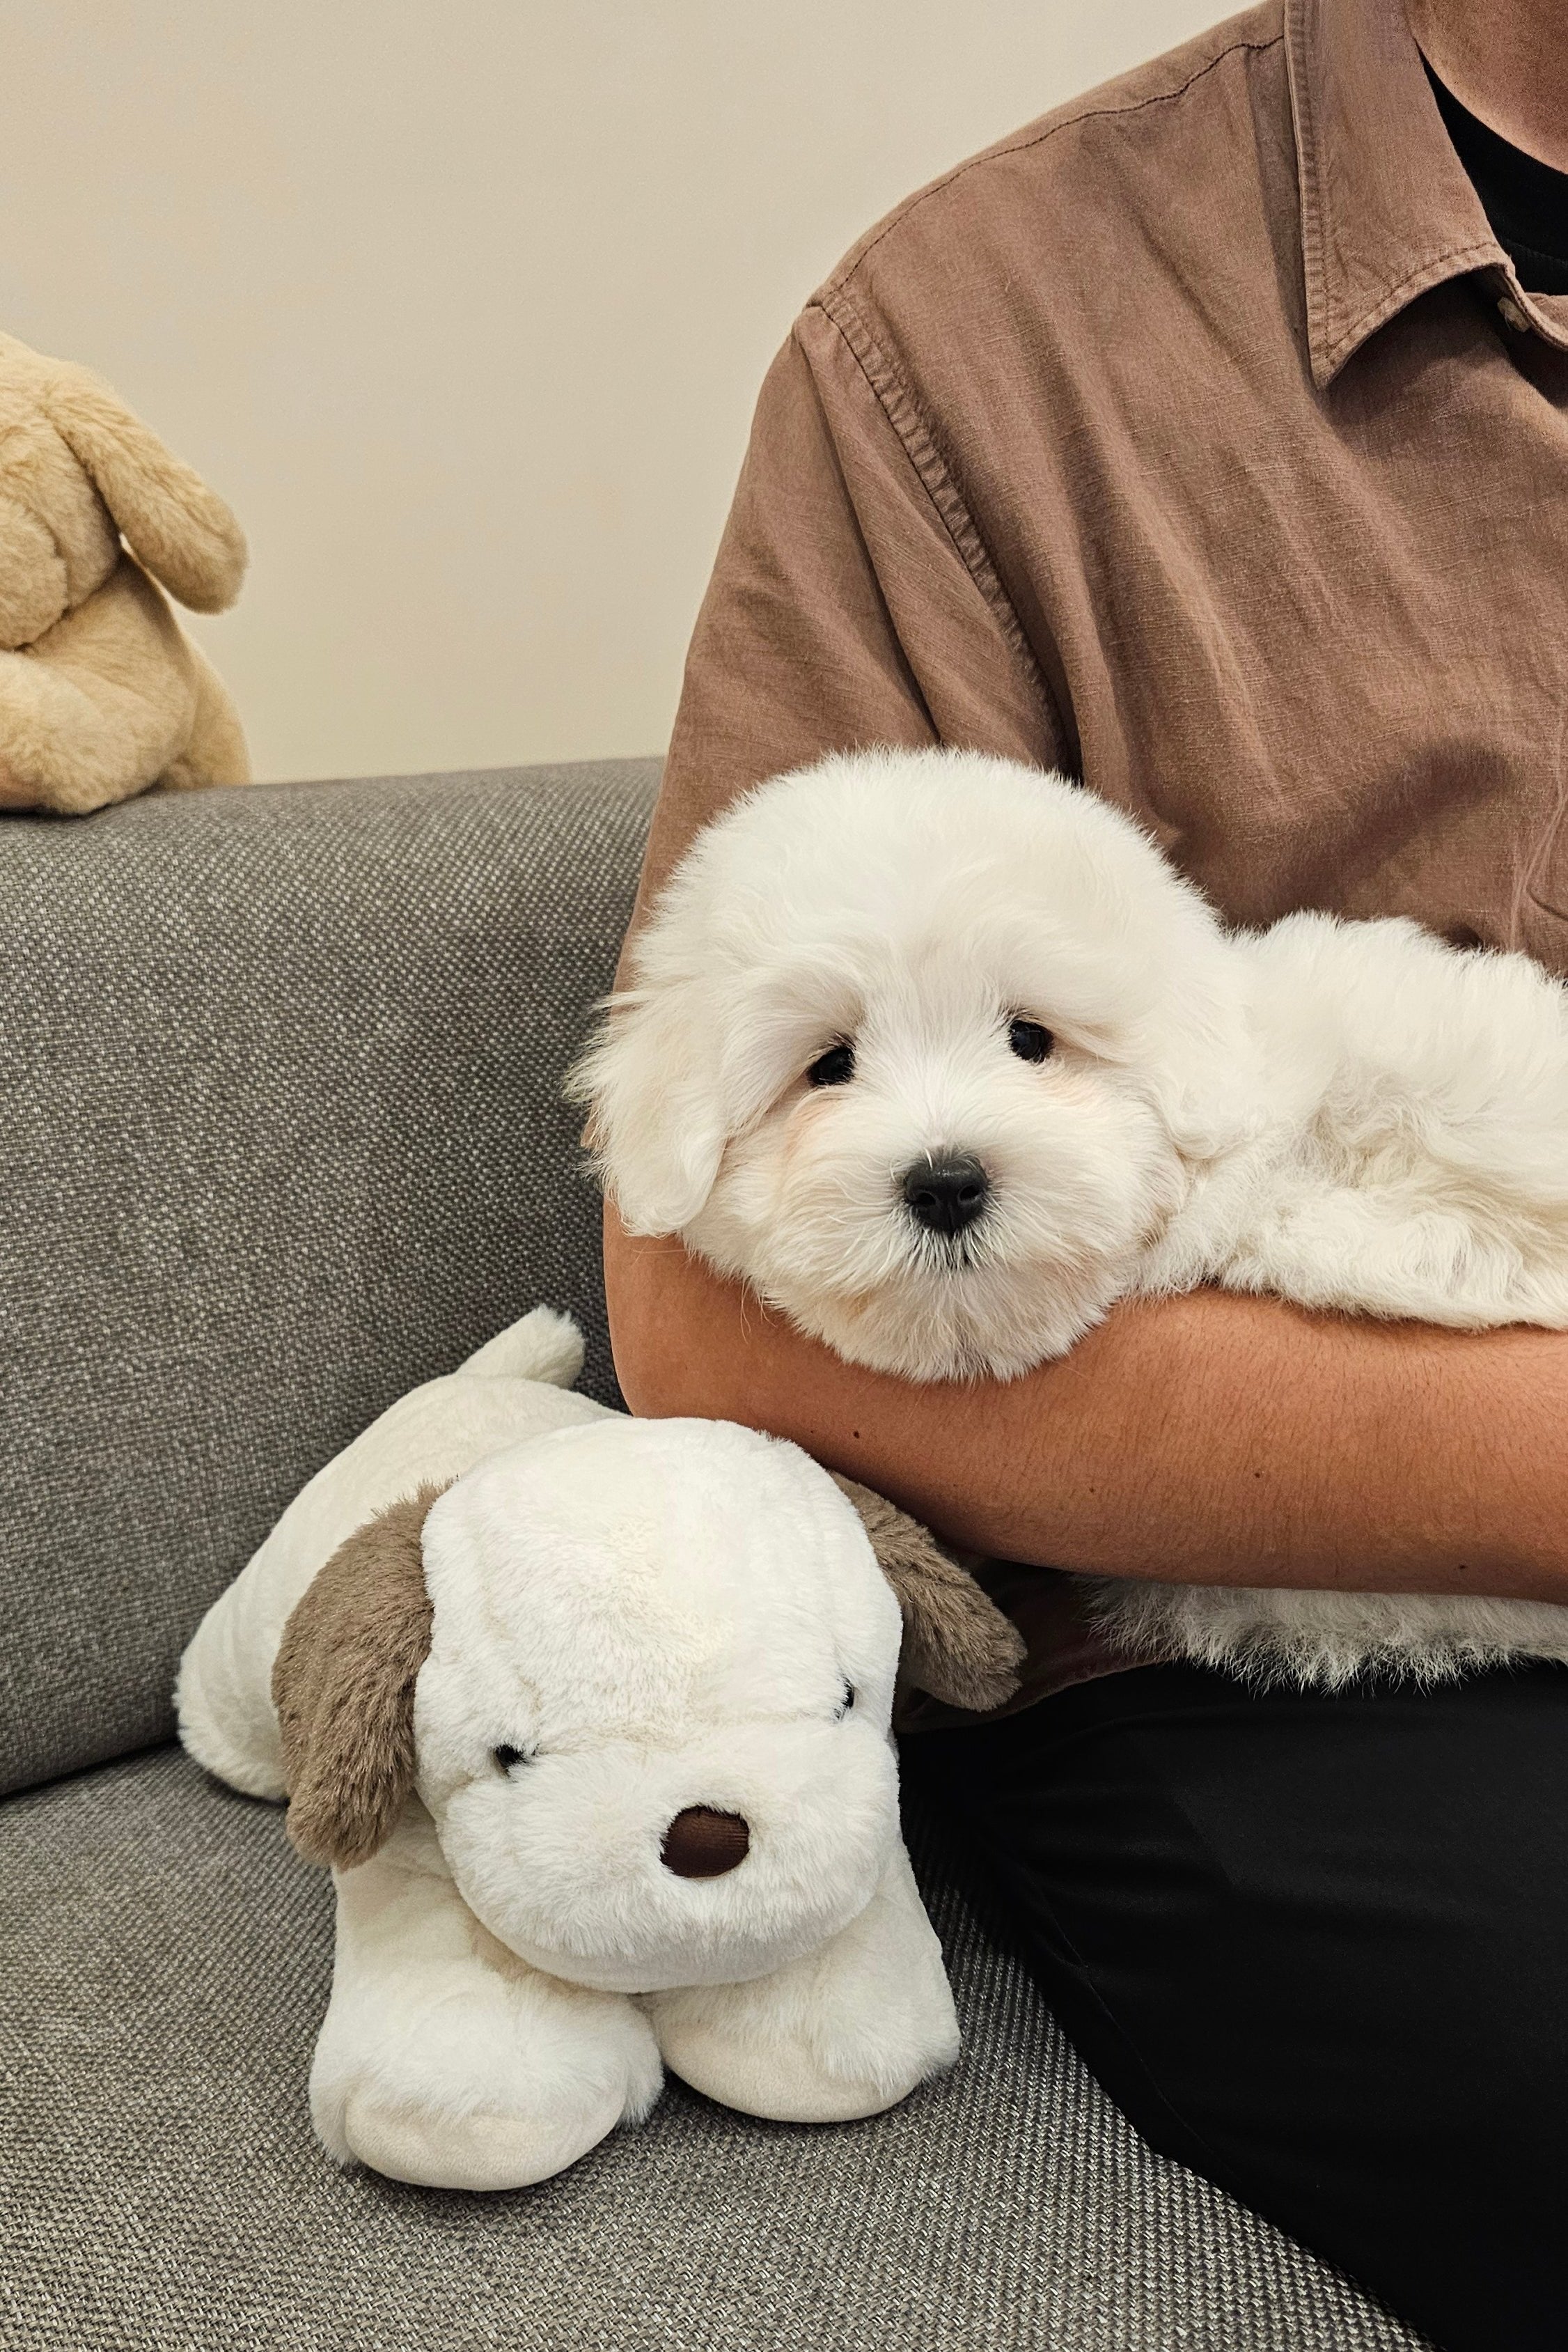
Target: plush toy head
[77, 471]
[641, 1673]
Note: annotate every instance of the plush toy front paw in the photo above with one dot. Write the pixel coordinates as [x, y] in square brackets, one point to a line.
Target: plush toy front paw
[847, 2032]
[483, 2086]
[112, 698]
[444, 2060]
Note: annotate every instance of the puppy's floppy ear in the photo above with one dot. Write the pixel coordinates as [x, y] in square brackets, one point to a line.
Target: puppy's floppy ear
[655, 1118]
[176, 528]
[344, 1682]
[957, 1643]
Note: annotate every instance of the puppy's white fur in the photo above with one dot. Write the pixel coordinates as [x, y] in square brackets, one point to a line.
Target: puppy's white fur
[910, 903]
[1348, 1114]
[656, 1615]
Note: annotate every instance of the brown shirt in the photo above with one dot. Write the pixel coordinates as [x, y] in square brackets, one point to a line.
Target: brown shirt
[1199, 440]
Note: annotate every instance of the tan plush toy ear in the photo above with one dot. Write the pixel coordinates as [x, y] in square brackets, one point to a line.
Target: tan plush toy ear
[957, 1643]
[344, 1682]
[175, 527]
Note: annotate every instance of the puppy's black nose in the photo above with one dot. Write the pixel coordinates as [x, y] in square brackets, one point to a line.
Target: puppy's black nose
[703, 1843]
[945, 1192]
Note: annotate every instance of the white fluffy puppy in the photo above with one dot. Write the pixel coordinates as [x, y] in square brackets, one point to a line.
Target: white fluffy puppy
[942, 1056]
[594, 1729]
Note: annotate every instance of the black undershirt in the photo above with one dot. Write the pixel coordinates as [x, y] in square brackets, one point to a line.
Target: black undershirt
[1525, 201]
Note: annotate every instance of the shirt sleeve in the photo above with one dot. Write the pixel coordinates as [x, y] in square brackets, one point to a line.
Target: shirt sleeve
[852, 602]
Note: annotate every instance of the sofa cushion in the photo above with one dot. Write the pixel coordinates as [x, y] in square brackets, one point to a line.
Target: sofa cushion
[163, 1966]
[281, 1135]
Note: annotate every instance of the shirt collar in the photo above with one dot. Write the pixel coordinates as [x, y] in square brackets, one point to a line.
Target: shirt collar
[1386, 209]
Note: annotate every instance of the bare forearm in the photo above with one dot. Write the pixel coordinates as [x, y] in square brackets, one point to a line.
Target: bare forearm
[1211, 1439]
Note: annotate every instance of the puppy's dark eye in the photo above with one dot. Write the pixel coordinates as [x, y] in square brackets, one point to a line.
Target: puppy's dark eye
[836, 1067]
[506, 1756]
[1030, 1040]
[844, 1704]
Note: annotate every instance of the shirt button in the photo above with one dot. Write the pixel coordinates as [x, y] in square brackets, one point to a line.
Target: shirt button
[1512, 316]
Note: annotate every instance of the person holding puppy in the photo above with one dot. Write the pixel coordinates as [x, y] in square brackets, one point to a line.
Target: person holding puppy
[1206, 440]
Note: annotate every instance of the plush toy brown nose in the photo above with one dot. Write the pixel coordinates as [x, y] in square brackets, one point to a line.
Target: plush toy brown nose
[701, 1843]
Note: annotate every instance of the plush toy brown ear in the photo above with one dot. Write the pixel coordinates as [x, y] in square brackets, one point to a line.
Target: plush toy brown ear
[342, 1684]
[957, 1643]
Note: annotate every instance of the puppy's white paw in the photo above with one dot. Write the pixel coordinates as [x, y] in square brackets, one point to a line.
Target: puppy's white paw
[846, 2032]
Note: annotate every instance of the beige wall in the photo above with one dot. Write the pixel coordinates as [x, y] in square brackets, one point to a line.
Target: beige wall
[465, 305]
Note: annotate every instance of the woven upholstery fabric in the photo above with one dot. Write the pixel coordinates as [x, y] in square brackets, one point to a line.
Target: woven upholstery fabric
[163, 1966]
[280, 1136]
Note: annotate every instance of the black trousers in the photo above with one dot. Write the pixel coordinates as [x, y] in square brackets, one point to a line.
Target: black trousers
[1316, 1947]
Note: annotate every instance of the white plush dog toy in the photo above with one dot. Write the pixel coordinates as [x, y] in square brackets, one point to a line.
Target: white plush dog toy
[594, 1725]
[942, 1056]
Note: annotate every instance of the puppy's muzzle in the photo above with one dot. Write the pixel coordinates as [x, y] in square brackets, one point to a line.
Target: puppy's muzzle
[946, 1191]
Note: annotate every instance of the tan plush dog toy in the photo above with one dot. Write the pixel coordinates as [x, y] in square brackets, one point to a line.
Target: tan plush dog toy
[100, 692]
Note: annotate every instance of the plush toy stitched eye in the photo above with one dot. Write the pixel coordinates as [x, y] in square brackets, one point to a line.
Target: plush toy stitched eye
[836, 1067]
[845, 1704]
[1030, 1040]
[505, 1757]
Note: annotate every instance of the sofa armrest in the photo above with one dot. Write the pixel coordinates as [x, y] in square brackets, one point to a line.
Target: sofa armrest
[282, 1135]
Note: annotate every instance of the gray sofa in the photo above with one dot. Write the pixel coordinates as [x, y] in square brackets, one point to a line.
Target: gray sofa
[281, 1135]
